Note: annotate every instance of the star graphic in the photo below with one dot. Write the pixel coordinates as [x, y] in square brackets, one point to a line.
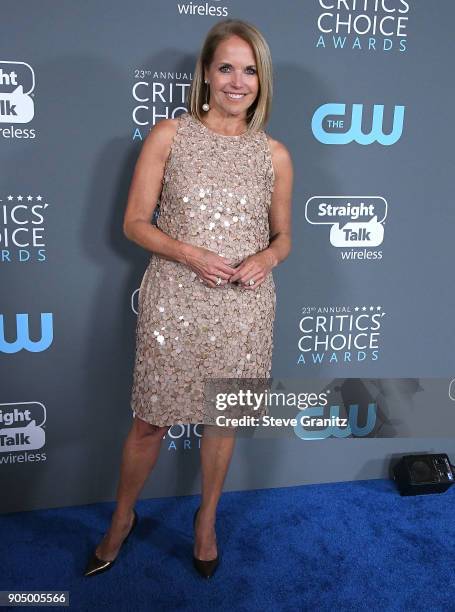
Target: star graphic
[29, 198]
[39, 198]
[20, 198]
[364, 307]
[10, 197]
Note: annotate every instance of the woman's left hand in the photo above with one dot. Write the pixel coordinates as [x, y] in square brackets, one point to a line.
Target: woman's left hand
[255, 267]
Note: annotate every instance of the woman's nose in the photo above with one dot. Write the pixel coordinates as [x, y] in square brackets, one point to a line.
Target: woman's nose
[237, 79]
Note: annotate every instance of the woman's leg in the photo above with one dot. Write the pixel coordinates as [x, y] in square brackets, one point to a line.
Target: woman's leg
[216, 453]
[140, 452]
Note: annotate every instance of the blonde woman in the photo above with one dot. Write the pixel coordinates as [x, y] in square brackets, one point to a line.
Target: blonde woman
[207, 298]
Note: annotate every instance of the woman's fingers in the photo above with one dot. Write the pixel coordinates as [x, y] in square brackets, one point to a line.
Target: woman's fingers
[226, 268]
[246, 273]
[213, 279]
[257, 278]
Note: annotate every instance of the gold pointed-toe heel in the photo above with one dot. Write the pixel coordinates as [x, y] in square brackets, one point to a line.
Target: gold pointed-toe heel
[96, 565]
[205, 568]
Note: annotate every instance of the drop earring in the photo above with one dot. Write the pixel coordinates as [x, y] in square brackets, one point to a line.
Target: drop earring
[206, 106]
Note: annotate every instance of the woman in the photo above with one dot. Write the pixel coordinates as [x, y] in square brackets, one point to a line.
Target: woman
[207, 298]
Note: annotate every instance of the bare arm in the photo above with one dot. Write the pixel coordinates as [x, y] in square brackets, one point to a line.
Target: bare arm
[143, 195]
[144, 192]
[280, 209]
[258, 266]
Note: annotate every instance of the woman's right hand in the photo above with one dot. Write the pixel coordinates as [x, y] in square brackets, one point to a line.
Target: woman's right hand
[209, 266]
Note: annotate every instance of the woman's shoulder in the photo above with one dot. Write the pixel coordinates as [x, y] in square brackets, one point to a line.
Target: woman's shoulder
[165, 128]
[161, 136]
[281, 156]
[276, 146]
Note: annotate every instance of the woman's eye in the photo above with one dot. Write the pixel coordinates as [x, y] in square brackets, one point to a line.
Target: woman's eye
[250, 70]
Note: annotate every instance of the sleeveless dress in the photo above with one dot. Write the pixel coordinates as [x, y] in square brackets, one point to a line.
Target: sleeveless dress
[216, 194]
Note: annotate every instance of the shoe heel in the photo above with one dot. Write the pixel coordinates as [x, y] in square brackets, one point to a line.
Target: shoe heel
[205, 568]
[96, 565]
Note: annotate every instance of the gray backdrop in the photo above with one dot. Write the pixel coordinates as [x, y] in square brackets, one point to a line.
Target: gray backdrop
[80, 85]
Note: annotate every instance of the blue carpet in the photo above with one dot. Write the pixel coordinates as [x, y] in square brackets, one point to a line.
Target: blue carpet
[344, 546]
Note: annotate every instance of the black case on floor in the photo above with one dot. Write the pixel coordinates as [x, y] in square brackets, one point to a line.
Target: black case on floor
[422, 474]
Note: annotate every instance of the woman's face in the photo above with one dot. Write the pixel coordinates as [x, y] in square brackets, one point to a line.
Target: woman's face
[233, 71]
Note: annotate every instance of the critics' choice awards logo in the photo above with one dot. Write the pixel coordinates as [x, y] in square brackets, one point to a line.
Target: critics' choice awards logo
[18, 339]
[355, 223]
[339, 334]
[22, 228]
[183, 437]
[328, 128]
[157, 95]
[366, 25]
[17, 82]
[21, 431]
[202, 9]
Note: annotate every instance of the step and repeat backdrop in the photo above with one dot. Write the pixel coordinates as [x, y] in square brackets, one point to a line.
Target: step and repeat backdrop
[362, 100]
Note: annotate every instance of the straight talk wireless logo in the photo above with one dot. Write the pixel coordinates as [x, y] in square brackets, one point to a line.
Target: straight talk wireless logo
[22, 432]
[202, 9]
[356, 224]
[17, 83]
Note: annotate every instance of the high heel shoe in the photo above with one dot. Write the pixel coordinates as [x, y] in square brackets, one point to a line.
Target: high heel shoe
[205, 568]
[97, 565]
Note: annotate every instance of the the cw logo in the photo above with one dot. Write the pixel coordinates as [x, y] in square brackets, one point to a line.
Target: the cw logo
[354, 133]
[353, 427]
[23, 336]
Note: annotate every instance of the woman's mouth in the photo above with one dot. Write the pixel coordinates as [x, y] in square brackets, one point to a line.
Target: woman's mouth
[234, 96]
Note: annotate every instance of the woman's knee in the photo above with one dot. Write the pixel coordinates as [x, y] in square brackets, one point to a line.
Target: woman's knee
[143, 429]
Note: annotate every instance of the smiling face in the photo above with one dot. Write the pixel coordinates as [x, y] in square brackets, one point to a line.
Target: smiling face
[232, 76]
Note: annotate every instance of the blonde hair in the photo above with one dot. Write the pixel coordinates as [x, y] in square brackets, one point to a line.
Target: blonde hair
[258, 113]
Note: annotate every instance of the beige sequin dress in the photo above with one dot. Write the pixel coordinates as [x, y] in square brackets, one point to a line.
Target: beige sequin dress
[216, 194]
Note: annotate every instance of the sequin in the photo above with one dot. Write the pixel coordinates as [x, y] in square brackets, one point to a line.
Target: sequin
[189, 331]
